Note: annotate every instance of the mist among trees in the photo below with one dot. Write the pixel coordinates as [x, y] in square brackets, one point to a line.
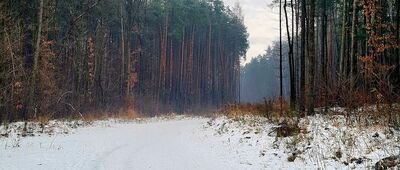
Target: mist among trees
[259, 79]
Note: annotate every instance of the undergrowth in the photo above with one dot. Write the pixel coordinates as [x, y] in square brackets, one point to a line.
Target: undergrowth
[378, 113]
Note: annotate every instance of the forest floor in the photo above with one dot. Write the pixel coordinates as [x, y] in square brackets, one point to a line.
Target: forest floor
[187, 142]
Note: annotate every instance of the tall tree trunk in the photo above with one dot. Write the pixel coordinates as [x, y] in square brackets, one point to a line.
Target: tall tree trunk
[208, 67]
[311, 60]
[297, 54]
[353, 57]
[331, 44]
[303, 55]
[398, 43]
[9, 115]
[342, 69]
[280, 57]
[123, 81]
[163, 58]
[90, 59]
[294, 58]
[291, 65]
[35, 74]
[324, 43]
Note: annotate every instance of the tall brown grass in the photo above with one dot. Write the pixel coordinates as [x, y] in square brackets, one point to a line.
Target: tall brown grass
[269, 108]
[124, 114]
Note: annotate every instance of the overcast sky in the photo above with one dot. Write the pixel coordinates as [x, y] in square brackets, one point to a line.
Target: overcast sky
[262, 24]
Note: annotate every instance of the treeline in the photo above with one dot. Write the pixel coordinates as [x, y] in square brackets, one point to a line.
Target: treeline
[63, 58]
[342, 53]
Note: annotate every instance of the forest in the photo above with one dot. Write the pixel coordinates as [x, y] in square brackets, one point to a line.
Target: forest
[160, 56]
[340, 53]
[62, 58]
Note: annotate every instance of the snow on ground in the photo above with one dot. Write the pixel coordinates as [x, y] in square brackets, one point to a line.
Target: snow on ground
[324, 142]
[182, 142]
[158, 143]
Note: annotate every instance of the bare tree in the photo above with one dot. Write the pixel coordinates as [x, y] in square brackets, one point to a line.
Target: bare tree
[35, 62]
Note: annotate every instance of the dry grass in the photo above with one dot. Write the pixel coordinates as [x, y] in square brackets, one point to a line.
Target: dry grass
[270, 108]
[122, 114]
[42, 119]
[128, 114]
[363, 114]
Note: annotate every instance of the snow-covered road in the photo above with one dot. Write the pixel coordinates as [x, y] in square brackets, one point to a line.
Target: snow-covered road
[171, 144]
[193, 143]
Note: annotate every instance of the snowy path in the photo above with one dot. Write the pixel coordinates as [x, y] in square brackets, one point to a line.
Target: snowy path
[189, 143]
[171, 144]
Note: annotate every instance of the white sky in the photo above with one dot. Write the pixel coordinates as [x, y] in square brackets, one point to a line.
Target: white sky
[262, 24]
